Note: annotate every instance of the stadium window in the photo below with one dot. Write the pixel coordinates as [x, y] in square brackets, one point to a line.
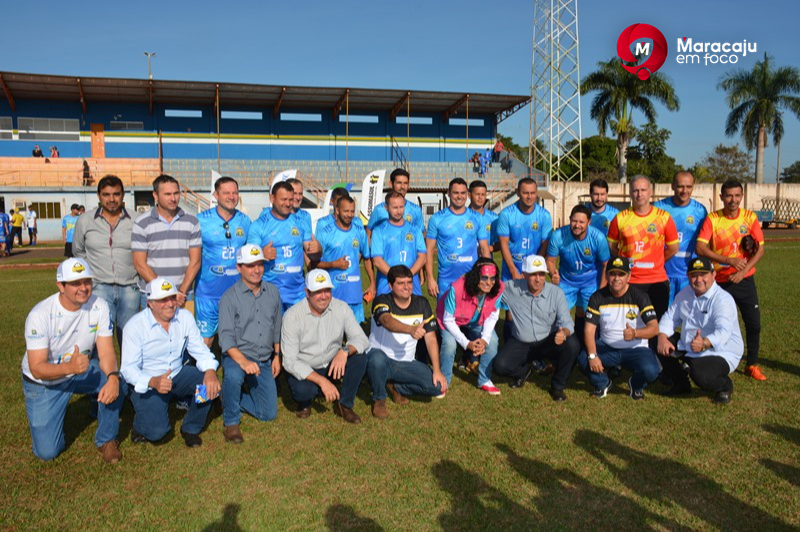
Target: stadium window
[463, 122]
[5, 128]
[49, 129]
[183, 113]
[420, 121]
[242, 115]
[301, 117]
[47, 209]
[359, 119]
[127, 126]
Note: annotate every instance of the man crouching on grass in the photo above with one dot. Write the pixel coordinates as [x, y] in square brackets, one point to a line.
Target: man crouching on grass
[60, 333]
[313, 353]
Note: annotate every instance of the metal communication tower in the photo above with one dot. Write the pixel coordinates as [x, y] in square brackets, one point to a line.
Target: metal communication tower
[555, 130]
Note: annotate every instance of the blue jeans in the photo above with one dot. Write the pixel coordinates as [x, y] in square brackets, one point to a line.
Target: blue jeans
[641, 361]
[304, 391]
[410, 378]
[261, 401]
[46, 406]
[447, 354]
[123, 303]
[152, 416]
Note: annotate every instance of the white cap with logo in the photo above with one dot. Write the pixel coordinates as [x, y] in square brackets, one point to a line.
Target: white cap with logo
[160, 288]
[73, 269]
[533, 264]
[249, 253]
[318, 279]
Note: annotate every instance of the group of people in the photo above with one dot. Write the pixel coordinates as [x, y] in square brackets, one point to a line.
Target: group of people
[11, 226]
[653, 287]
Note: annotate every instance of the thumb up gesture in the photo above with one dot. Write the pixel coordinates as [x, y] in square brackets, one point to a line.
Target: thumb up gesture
[698, 343]
[628, 333]
[79, 361]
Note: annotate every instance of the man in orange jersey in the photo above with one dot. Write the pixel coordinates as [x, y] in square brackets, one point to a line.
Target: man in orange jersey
[647, 236]
[733, 238]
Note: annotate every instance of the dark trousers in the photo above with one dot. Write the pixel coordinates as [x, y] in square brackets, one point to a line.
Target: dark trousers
[16, 230]
[304, 391]
[68, 249]
[515, 358]
[658, 293]
[745, 295]
[710, 373]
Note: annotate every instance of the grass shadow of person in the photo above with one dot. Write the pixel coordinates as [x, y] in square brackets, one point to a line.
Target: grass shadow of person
[670, 482]
[78, 419]
[788, 472]
[787, 432]
[567, 501]
[781, 366]
[340, 517]
[229, 521]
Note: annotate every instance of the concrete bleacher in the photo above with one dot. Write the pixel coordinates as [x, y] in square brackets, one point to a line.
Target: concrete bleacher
[68, 172]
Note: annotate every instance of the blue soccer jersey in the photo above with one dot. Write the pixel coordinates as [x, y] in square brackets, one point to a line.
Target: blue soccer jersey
[456, 237]
[688, 221]
[397, 245]
[412, 213]
[489, 220]
[327, 221]
[218, 269]
[287, 236]
[602, 220]
[350, 244]
[525, 232]
[68, 223]
[305, 219]
[579, 260]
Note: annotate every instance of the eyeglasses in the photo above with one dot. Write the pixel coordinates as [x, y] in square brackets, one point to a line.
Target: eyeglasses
[227, 230]
[488, 278]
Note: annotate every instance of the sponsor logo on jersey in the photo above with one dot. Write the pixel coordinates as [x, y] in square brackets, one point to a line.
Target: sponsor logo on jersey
[355, 243]
[489, 226]
[409, 237]
[631, 314]
[342, 278]
[651, 228]
[217, 270]
[416, 322]
[278, 267]
[535, 226]
[607, 223]
[587, 252]
[517, 257]
[452, 258]
[239, 232]
[690, 219]
[93, 327]
[469, 225]
[408, 218]
[295, 232]
[742, 231]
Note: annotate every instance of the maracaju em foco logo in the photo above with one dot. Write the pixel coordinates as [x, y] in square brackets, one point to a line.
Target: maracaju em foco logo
[655, 56]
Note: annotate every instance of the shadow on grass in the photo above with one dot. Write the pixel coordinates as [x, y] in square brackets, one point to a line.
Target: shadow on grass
[789, 433]
[340, 517]
[77, 419]
[567, 501]
[672, 483]
[780, 365]
[229, 520]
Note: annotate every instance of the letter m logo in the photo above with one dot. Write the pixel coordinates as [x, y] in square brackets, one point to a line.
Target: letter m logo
[642, 49]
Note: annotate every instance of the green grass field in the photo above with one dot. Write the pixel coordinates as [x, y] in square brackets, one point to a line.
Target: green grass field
[469, 462]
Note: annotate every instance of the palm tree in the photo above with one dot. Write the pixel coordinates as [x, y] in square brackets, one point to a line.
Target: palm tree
[619, 93]
[756, 99]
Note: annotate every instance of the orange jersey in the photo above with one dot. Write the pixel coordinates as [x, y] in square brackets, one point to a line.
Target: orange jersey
[643, 238]
[724, 236]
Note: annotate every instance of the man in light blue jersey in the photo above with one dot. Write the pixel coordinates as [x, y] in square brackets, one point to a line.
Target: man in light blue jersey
[224, 230]
[688, 215]
[330, 219]
[602, 212]
[458, 235]
[284, 239]
[343, 246]
[477, 203]
[397, 242]
[582, 253]
[412, 213]
[68, 229]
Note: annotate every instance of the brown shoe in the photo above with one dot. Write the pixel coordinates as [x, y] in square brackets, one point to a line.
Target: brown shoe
[397, 398]
[379, 409]
[110, 452]
[233, 434]
[348, 414]
[305, 412]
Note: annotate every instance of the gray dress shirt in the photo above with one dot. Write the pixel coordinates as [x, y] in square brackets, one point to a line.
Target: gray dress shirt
[536, 317]
[106, 249]
[250, 322]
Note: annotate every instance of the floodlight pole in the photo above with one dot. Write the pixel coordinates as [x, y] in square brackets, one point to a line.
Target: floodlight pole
[149, 71]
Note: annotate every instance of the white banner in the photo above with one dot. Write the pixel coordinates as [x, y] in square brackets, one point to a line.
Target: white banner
[371, 192]
[214, 177]
[282, 176]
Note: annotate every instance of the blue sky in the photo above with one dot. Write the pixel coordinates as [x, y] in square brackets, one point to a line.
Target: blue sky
[469, 46]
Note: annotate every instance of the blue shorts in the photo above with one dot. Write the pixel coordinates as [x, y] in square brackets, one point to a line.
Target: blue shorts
[206, 314]
[358, 310]
[676, 285]
[578, 294]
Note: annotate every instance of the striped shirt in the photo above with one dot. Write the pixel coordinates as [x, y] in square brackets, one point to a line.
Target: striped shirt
[167, 244]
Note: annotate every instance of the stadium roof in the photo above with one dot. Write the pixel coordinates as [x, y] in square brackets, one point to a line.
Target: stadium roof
[86, 90]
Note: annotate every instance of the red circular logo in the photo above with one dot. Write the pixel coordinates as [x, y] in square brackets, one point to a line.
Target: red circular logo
[655, 56]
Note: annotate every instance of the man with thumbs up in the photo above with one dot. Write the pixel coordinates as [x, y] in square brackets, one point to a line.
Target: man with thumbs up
[60, 333]
[710, 341]
[626, 320]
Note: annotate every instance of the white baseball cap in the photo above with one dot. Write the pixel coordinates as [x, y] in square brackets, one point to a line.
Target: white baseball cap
[160, 288]
[533, 264]
[73, 269]
[318, 279]
[249, 253]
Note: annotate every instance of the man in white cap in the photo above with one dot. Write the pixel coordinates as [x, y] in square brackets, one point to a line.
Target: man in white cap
[313, 351]
[250, 318]
[542, 328]
[153, 346]
[60, 334]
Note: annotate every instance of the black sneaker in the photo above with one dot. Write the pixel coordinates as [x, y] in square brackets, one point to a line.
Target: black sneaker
[192, 440]
[722, 397]
[614, 372]
[520, 382]
[635, 394]
[557, 395]
[601, 393]
[137, 438]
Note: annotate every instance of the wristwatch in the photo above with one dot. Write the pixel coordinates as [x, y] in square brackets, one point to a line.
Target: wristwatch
[114, 373]
[592, 356]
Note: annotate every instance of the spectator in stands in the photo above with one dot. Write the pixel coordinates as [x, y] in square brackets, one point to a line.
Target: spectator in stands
[488, 155]
[498, 148]
[37, 152]
[5, 232]
[224, 230]
[484, 166]
[56, 365]
[166, 242]
[476, 161]
[87, 174]
[68, 229]
[602, 212]
[17, 221]
[32, 226]
[54, 152]
[103, 240]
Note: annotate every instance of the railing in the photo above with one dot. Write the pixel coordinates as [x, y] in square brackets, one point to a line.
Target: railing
[398, 156]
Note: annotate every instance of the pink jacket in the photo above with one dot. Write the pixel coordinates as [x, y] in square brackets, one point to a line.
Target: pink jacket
[466, 305]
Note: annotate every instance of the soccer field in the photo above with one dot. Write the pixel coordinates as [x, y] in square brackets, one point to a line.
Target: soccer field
[469, 462]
